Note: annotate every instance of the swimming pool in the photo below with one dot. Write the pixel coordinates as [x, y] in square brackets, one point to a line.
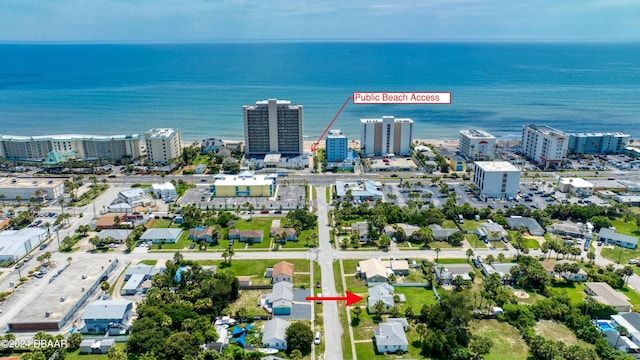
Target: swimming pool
[605, 326]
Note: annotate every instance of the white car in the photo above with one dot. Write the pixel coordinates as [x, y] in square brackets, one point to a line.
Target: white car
[316, 340]
[633, 262]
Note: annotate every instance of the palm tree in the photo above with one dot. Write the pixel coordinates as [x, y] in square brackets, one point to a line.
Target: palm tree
[2, 198]
[469, 254]
[231, 253]
[225, 255]
[437, 250]
[18, 199]
[421, 329]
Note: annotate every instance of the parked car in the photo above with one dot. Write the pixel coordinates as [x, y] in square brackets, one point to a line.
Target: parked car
[316, 340]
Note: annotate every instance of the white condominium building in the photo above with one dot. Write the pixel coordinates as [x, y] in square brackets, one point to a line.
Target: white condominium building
[477, 145]
[386, 136]
[71, 146]
[496, 179]
[544, 145]
[163, 145]
[273, 126]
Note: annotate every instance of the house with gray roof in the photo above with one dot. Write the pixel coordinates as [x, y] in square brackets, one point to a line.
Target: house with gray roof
[631, 322]
[147, 270]
[274, 334]
[445, 274]
[132, 285]
[502, 269]
[100, 314]
[605, 294]
[162, 235]
[567, 229]
[403, 321]
[390, 338]
[492, 231]
[610, 236]
[441, 234]
[363, 231]
[280, 300]
[532, 226]
[380, 292]
[118, 235]
[360, 190]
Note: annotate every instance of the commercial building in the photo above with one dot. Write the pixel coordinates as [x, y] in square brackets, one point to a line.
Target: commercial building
[597, 143]
[359, 190]
[14, 244]
[273, 126]
[27, 188]
[575, 186]
[134, 197]
[496, 179]
[71, 146]
[247, 183]
[337, 148]
[544, 145]
[381, 137]
[163, 145]
[477, 145]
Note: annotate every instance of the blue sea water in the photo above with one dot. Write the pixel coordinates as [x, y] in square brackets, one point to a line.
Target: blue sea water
[201, 88]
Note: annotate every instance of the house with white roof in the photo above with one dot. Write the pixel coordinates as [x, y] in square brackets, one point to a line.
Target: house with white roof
[162, 235]
[390, 338]
[134, 197]
[631, 322]
[274, 334]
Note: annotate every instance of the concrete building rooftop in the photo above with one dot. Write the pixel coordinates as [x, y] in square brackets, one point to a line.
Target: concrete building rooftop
[496, 166]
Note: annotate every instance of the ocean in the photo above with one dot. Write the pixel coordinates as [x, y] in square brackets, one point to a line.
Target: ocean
[200, 89]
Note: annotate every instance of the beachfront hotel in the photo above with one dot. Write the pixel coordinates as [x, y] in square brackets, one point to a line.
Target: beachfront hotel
[386, 136]
[273, 126]
[477, 145]
[544, 145]
[57, 148]
[163, 145]
[496, 179]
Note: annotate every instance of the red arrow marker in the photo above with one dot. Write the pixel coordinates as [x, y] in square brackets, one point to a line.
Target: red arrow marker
[351, 298]
[314, 146]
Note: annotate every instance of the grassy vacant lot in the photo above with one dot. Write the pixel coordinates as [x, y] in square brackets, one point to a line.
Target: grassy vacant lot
[531, 243]
[553, 330]
[627, 228]
[575, 291]
[248, 300]
[621, 254]
[633, 296]
[416, 297]
[255, 269]
[470, 225]
[160, 223]
[507, 341]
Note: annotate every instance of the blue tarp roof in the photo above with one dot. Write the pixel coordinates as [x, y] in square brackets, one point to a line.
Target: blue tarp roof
[179, 273]
[241, 341]
[237, 331]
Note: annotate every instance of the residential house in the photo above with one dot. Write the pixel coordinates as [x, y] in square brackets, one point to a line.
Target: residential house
[363, 231]
[549, 265]
[610, 236]
[288, 234]
[631, 322]
[100, 315]
[400, 267]
[390, 338]
[445, 274]
[280, 300]
[147, 270]
[93, 346]
[380, 292]
[282, 271]
[203, 234]
[532, 226]
[132, 285]
[618, 342]
[116, 235]
[162, 235]
[373, 272]
[605, 294]
[440, 234]
[567, 229]
[274, 334]
[248, 236]
[502, 269]
[408, 229]
[403, 321]
[492, 231]
[120, 208]
[109, 221]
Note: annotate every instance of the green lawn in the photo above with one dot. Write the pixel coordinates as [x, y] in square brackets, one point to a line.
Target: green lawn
[531, 243]
[77, 356]
[439, 244]
[627, 228]
[416, 297]
[351, 266]
[507, 341]
[148, 262]
[355, 285]
[183, 242]
[470, 225]
[619, 254]
[160, 223]
[575, 290]
[200, 159]
[255, 269]
[553, 330]
[633, 296]
[452, 261]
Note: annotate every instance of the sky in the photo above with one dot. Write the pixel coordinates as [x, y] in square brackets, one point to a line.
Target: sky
[240, 20]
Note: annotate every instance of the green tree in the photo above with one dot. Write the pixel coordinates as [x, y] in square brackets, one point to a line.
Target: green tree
[480, 345]
[379, 308]
[357, 311]
[421, 330]
[437, 250]
[116, 353]
[104, 286]
[299, 336]
[296, 355]
[74, 340]
[469, 254]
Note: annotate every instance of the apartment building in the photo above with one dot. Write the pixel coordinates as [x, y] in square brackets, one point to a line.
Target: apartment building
[544, 145]
[477, 145]
[71, 146]
[163, 145]
[273, 126]
[337, 146]
[496, 179]
[381, 137]
[598, 143]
